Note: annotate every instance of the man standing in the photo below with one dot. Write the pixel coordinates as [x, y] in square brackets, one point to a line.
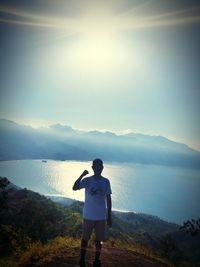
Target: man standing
[97, 209]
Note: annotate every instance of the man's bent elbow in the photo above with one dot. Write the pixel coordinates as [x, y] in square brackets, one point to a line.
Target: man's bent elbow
[75, 187]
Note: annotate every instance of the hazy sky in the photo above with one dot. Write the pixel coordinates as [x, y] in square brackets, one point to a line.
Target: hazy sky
[109, 65]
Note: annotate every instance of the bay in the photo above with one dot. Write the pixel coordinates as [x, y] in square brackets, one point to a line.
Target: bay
[171, 193]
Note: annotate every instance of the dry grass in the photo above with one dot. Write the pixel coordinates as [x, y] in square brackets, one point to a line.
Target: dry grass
[66, 249]
[38, 252]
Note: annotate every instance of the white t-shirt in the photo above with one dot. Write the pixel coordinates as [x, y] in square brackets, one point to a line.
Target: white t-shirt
[96, 190]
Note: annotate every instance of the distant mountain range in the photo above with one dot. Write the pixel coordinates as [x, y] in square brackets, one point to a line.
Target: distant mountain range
[62, 142]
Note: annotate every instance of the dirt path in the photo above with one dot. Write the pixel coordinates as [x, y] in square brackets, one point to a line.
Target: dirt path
[111, 257]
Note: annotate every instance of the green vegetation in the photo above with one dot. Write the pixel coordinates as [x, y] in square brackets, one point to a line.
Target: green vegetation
[33, 227]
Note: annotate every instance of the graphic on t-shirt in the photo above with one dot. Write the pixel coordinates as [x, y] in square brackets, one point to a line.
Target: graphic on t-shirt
[96, 191]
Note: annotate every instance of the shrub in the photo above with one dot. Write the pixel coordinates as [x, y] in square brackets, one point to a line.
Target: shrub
[12, 240]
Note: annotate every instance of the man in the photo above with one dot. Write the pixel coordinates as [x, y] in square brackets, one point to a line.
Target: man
[97, 209]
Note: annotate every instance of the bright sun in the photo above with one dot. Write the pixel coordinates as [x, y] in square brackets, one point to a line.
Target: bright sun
[96, 48]
[93, 42]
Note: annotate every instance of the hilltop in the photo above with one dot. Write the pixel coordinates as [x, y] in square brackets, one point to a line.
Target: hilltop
[68, 255]
[35, 231]
[62, 142]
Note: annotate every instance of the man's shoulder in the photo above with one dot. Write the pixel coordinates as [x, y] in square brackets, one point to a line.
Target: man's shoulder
[106, 180]
[88, 178]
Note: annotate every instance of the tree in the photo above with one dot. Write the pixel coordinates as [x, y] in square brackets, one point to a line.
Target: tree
[191, 227]
[3, 192]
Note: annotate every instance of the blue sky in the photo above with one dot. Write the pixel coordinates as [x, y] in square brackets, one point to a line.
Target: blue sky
[108, 65]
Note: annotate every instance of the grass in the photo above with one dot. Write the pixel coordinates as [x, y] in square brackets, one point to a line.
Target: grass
[66, 246]
[41, 252]
[138, 249]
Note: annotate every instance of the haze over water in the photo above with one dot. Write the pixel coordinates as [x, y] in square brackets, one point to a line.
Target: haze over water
[170, 193]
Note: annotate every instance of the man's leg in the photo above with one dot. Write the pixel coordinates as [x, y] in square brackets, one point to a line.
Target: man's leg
[98, 249]
[84, 244]
[87, 230]
[100, 236]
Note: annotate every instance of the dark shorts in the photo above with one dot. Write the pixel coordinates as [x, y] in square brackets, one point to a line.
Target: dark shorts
[98, 226]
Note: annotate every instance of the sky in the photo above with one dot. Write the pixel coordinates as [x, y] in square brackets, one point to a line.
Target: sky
[122, 66]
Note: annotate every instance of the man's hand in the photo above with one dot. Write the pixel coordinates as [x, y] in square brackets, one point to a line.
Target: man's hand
[77, 183]
[85, 172]
[109, 222]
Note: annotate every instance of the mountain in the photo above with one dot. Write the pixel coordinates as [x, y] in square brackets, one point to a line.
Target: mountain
[21, 142]
[62, 128]
[62, 142]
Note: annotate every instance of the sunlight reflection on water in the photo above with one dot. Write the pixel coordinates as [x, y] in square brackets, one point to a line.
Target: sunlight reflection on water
[170, 193]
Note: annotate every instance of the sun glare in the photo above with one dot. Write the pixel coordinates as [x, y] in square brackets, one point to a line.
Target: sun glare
[92, 44]
[96, 49]
[94, 52]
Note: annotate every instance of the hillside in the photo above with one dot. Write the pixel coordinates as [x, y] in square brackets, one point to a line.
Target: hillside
[35, 231]
[64, 143]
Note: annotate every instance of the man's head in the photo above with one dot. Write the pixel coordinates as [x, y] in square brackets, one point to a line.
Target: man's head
[97, 166]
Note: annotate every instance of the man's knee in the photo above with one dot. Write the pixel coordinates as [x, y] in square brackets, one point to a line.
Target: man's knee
[98, 244]
[84, 243]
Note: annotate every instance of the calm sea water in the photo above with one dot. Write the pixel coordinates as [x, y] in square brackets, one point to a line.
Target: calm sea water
[171, 193]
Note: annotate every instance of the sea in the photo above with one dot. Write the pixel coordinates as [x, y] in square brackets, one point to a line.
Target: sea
[171, 193]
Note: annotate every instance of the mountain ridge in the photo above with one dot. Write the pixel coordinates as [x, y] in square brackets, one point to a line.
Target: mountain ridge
[63, 127]
[62, 142]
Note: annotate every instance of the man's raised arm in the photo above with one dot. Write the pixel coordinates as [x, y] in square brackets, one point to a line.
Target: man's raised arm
[77, 182]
